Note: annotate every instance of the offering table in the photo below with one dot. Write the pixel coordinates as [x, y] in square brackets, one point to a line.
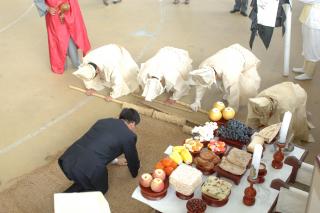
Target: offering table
[265, 198]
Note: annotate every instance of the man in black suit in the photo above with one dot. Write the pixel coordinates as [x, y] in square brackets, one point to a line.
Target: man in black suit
[84, 162]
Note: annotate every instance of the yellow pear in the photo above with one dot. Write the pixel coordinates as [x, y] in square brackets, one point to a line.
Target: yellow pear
[228, 113]
[215, 114]
[220, 105]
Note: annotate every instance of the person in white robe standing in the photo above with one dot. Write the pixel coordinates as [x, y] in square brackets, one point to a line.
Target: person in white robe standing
[310, 19]
[233, 70]
[109, 66]
[168, 70]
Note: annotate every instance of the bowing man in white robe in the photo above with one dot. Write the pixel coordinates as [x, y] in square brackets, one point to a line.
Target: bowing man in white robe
[109, 66]
[233, 70]
[168, 71]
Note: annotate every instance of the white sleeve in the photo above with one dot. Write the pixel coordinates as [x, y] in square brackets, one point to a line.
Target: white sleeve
[310, 1]
[116, 82]
[95, 84]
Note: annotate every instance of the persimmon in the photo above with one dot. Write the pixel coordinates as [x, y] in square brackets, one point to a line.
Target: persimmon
[159, 165]
[168, 170]
[174, 165]
[166, 162]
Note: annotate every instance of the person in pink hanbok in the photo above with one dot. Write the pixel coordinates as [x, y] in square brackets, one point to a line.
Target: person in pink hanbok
[66, 32]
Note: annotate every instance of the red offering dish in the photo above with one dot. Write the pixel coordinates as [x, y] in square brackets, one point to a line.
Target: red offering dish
[221, 122]
[223, 173]
[262, 172]
[196, 205]
[218, 147]
[205, 171]
[214, 202]
[147, 193]
[184, 197]
[236, 144]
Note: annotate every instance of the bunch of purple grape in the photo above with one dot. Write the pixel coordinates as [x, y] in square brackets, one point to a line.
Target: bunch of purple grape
[236, 131]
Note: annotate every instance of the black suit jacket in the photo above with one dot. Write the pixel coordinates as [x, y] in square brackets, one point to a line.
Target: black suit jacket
[105, 140]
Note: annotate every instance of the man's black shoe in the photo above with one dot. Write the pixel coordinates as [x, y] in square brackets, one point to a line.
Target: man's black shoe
[244, 13]
[234, 11]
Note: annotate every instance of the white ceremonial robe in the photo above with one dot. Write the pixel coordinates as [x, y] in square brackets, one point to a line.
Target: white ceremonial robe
[310, 19]
[171, 65]
[236, 68]
[280, 98]
[119, 70]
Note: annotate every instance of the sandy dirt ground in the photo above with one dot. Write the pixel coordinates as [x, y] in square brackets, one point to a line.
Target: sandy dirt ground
[41, 116]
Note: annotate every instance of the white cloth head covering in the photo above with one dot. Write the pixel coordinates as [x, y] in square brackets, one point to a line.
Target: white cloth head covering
[203, 77]
[152, 89]
[85, 72]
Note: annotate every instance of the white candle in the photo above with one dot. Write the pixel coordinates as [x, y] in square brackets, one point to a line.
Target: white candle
[284, 127]
[257, 153]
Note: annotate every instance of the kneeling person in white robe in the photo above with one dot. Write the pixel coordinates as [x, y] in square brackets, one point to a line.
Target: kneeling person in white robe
[109, 66]
[233, 70]
[167, 70]
[269, 106]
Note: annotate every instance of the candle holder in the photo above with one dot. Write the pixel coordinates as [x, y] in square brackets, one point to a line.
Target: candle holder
[249, 197]
[278, 157]
[262, 172]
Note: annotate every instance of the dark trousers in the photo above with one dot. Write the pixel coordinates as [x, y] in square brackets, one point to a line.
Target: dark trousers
[241, 5]
[98, 181]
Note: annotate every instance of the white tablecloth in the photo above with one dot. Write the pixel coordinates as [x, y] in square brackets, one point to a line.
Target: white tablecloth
[264, 199]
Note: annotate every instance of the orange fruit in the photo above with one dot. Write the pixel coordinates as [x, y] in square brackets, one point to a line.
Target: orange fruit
[168, 170]
[166, 162]
[159, 165]
[174, 165]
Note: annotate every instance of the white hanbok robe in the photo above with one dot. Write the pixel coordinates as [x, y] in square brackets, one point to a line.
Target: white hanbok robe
[119, 70]
[310, 19]
[236, 69]
[171, 65]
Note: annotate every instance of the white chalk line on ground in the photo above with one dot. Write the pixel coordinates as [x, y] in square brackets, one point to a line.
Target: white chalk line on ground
[44, 127]
[17, 19]
[84, 102]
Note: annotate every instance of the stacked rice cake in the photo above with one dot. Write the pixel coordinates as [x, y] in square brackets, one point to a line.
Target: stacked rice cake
[216, 188]
[236, 161]
[185, 179]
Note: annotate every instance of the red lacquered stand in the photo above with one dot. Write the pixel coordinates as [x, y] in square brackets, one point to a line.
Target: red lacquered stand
[249, 197]
[262, 172]
[278, 157]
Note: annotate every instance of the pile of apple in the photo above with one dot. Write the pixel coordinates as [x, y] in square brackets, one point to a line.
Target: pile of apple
[154, 181]
[219, 111]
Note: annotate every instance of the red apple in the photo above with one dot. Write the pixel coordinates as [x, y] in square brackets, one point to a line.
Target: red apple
[159, 173]
[157, 185]
[145, 180]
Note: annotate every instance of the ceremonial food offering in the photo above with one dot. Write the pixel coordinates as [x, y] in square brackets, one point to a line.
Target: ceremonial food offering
[196, 205]
[228, 113]
[185, 179]
[216, 188]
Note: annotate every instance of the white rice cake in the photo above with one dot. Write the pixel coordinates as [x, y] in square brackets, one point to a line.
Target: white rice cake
[185, 179]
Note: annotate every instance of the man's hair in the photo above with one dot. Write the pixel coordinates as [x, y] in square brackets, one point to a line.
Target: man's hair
[130, 115]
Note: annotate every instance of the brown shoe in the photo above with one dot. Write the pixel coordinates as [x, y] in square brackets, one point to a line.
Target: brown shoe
[186, 2]
[176, 2]
[105, 2]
